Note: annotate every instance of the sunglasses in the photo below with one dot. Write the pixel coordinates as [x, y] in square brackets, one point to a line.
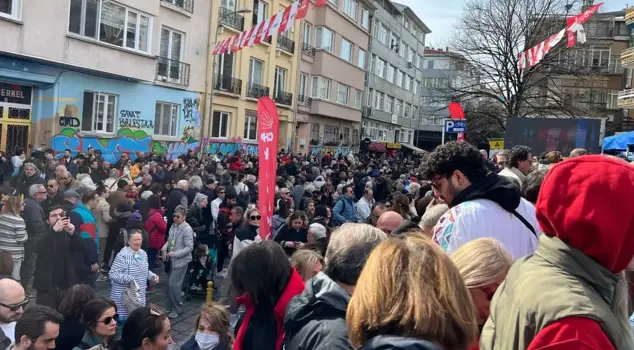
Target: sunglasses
[256, 217]
[176, 216]
[16, 307]
[222, 192]
[109, 319]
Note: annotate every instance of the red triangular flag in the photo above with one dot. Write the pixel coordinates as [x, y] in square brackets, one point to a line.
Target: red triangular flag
[302, 11]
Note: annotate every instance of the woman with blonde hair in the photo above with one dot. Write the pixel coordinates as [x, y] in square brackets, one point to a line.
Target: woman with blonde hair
[421, 302]
[212, 330]
[13, 232]
[483, 264]
[308, 263]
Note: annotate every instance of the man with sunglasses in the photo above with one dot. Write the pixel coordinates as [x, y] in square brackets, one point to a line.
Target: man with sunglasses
[33, 216]
[12, 303]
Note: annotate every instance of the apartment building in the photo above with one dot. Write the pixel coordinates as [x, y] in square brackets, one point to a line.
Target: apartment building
[334, 54]
[394, 75]
[625, 98]
[269, 68]
[117, 76]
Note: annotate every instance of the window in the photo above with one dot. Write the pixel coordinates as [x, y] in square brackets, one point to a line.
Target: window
[403, 50]
[280, 80]
[303, 84]
[428, 64]
[324, 39]
[415, 88]
[229, 4]
[398, 107]
[394, 42]
[346, 50]
[109, 23]
[10, 8]
[171, 52]
[224, 65]
[414, 112]
[256, 69]
[390, 73]
[320, 88]
[361, 59]
[389, 104]
[408, 83]
[308, 30]
[383, 34]
[407, 109]
[314, 133]
[99, 112]
[358, 96]
[405, 22]
[346, 135]
[355, 136]
[365, 18]
[342, 93]
[165, 119]
[380, 67]
[399, 78]
[369, 98]
[378, 100]
[220, 125]
[331, 134]
[350, 8]
[259, 12]
[410, 55]
[420, 62]
[334, 2]
[251, 127]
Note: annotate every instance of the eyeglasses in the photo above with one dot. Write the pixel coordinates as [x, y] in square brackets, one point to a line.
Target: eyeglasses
[51, 186]
[109, 319]
[285, 192]
[176, 216]
[256, 217]
[222, 192]
[17, 306]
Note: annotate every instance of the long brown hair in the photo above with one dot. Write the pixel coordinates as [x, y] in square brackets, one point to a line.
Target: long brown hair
[421, 295]
[218, 318]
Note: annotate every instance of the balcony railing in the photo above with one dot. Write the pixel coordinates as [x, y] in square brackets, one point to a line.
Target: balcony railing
[257, 91]
[629, 16]
[308, 50]
[304, 100]
[626, 99]
[231, 19]
[268, 39]
[185, 5]
[627, 57]
[172, 71]
[285, 44]
[227, 83]
[284, 98]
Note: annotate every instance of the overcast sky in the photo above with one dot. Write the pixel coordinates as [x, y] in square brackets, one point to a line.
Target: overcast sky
[441, 15]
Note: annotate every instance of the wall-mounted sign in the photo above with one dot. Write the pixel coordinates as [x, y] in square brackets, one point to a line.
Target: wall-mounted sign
[394, 119]
[14, 93]
[132, 119]
[395, 145]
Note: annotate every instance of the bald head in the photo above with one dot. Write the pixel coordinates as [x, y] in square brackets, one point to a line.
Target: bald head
[389, 221]
[11, 293]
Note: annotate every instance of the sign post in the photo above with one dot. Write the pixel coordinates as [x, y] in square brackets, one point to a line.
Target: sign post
[453, 126]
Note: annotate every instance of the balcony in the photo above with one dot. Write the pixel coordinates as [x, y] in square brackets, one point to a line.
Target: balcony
[308, 50]
[629, 16]
[257, 91]
[231, 19]
[626, 99]
[286, 44]
[185, 5]
[172, 71]
[627, 57]
[304, 100]
[227, 83]
[283, 98]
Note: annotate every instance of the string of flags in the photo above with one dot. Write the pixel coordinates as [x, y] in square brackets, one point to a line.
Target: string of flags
[278, 23]
[574, 32]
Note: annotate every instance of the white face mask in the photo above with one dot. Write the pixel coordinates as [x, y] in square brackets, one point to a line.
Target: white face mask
[207, 341]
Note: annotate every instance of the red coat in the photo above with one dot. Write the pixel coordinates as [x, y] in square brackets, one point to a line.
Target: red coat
[294, 287]
[156, 226]
[236, 166]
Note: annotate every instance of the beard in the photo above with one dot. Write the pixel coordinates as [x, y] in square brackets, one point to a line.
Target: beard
[4, 319]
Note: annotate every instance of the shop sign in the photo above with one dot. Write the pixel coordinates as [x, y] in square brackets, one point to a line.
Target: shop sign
[14, 93]
[393, 145]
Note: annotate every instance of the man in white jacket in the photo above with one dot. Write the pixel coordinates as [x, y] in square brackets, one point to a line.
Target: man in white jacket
[215, 204]
[520, 161]
[482, 204]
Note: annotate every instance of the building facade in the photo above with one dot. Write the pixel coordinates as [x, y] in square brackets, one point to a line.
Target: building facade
[625, 98]
[334, 54]
[395, 74]
[125, 76]
[269, 68]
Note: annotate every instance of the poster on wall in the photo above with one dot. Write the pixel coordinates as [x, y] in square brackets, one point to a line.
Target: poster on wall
[268, 134]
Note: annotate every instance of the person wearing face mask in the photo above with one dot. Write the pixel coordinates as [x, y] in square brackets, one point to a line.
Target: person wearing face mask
[294, 235]
[99, 317]
[248, 233]
[212, 330]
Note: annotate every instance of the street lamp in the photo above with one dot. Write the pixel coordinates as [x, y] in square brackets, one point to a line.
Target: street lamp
[213, 64]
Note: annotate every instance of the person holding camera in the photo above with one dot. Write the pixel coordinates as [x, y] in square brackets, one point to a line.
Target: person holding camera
[54, 268]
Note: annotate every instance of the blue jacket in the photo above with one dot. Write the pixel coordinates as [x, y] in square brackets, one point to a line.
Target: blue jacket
[344, 211]
[85, 227]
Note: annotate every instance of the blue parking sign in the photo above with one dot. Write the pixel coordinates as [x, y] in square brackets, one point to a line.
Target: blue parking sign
[455, 125]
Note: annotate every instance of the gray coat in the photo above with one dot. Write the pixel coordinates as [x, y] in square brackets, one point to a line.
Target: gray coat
[34, 219]
[181, 242]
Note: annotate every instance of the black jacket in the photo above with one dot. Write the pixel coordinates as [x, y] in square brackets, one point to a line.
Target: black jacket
[289, 234]
[54, 266]
[316, 319]
[173, 200]
[25, 182]
[71, 332]
[389, 342]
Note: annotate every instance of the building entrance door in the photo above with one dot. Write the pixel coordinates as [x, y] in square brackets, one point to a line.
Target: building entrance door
[15, 117]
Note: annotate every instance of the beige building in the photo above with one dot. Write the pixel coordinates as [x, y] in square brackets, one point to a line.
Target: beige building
[266, 69]
[334, 55]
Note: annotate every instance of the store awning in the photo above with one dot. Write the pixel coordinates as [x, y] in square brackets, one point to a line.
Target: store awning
[413, 148]
[377, 147]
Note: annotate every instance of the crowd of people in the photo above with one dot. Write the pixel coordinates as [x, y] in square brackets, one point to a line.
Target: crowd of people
[447, 250]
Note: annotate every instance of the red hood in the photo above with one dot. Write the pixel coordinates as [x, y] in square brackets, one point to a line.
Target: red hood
[583, 201]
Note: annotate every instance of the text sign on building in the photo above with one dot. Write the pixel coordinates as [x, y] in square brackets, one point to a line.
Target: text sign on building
[14, 93]
[394, 119]
[454, 126]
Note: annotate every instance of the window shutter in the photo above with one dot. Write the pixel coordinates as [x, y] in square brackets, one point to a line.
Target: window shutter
[318, 38]
[86, 124]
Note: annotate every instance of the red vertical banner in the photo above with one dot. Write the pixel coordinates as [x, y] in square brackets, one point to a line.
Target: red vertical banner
[268, 134]
[460, 137]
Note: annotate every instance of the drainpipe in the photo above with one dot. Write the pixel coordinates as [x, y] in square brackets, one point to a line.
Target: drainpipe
[208, 100]
[298, 62]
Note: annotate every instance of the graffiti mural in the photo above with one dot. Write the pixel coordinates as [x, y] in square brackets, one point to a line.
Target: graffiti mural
[191, 112]
[133, 142]
[334, 150]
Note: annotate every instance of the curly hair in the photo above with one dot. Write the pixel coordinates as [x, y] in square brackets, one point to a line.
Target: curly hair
[518, 153]
[452, 156]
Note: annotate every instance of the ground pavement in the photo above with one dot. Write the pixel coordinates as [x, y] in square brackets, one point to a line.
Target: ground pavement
[185, 324]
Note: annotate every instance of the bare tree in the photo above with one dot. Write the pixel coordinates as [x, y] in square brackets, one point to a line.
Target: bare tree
[487, 42]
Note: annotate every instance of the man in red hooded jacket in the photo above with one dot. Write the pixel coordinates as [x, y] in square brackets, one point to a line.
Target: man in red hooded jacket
[572, 294]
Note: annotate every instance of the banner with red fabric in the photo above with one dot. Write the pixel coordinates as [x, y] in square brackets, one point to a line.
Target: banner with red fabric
[268, 134]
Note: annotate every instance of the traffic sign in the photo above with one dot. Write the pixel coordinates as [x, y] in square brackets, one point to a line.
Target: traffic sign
[496, 144]
[454, 126]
